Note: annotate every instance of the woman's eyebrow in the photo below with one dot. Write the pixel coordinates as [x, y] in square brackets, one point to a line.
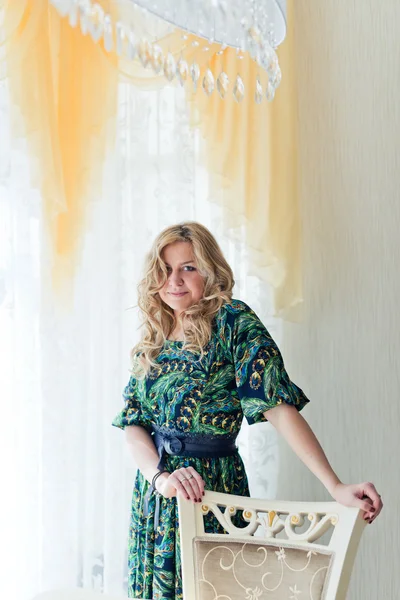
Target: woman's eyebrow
[181, 264]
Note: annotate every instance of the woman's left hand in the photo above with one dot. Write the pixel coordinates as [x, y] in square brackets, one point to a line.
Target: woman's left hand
[361, 495]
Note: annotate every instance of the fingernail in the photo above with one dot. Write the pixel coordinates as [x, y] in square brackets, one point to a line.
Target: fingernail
[199, 499]
[203, 493]
[195, 499]
[187, 497]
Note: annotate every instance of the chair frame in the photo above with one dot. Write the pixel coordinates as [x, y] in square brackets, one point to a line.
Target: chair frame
[348, 526]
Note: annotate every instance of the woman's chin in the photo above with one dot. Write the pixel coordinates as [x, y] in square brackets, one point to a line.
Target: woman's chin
[179, 303]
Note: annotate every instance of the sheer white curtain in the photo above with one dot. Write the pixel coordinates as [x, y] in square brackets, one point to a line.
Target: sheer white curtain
[65, 504]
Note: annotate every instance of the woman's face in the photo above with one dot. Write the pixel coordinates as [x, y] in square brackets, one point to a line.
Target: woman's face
[184, 286]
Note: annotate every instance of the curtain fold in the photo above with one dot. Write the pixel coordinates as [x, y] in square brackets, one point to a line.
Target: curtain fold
[63, 93]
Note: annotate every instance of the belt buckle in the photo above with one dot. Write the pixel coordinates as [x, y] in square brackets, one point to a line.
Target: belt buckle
[173, 446]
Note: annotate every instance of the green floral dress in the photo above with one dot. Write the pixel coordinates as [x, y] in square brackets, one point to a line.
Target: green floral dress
[241, 374]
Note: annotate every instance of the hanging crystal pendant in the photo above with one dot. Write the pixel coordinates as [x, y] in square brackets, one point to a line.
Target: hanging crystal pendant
[272, 66]
[62, 6]
[270, 92]
[238, 90]
[120, 37]
[74, 13]
[258, 96]
[169, 67]
[157, 59]
[222, 84]
[195, 74]
[96, 21]
[144, 52]
[276, 77]
[208, 82]
[84, 19]
[182, 71]
[108, 33]
[131, 46]
[268, 59]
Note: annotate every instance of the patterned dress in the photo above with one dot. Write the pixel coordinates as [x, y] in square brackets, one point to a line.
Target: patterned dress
[241, 374]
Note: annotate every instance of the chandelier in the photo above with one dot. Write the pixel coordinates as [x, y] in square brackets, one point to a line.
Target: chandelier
[250, 27]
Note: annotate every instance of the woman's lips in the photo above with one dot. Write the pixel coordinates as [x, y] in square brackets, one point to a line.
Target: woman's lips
[178, 295]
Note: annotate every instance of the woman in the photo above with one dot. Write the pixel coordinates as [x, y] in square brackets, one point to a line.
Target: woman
[204, 361]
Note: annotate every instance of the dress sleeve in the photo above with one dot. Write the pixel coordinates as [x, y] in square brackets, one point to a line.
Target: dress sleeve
[261, 377]
[132, 413]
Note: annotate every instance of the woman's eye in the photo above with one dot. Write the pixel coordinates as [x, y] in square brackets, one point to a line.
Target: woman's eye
[188, 268]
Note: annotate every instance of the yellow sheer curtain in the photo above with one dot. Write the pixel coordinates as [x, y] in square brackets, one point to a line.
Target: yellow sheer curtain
[64, 92]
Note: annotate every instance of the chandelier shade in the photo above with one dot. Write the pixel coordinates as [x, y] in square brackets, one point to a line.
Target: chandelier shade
[137, 30]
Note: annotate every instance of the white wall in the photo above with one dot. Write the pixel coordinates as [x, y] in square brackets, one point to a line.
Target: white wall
[346, 352]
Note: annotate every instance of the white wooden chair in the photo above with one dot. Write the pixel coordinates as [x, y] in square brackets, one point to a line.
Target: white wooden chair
[252, 563]
[75, 594]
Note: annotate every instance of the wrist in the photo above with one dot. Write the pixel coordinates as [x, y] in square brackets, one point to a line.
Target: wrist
[333, 486]
[160, 479]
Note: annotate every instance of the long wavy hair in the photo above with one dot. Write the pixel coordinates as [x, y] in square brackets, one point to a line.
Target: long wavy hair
[158, 319]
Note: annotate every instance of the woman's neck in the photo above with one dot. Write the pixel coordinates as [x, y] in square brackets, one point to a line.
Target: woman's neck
[176, 335]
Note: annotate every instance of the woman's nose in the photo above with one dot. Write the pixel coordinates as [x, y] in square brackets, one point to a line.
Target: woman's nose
[175, 278]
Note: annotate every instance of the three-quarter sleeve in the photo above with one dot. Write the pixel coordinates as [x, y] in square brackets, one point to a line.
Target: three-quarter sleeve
[261, 378]
[132, 413]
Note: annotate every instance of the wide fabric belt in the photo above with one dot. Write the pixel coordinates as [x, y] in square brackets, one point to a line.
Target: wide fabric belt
[198, 445]
[177, 443]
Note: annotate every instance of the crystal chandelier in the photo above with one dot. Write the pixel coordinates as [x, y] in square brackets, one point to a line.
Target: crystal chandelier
[253, 27]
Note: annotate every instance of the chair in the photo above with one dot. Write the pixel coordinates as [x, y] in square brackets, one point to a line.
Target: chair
[274, 554]
[75, 594]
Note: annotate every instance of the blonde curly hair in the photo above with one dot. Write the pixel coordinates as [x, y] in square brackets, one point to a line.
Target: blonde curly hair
[158, 319]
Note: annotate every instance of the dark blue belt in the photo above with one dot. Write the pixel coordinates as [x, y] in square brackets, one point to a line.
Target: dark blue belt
[194, 445]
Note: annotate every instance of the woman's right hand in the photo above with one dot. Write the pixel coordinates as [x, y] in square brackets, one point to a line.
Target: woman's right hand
[185, 481]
